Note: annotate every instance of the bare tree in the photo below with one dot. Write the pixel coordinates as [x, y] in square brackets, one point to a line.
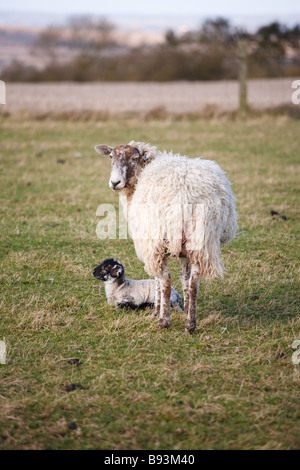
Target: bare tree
[47, 43]
[89, 33]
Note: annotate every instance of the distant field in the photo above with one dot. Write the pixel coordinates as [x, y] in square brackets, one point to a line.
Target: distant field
[176, 97]
[233, 384]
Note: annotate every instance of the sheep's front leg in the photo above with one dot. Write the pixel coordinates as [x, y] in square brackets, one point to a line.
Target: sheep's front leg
[156, 309]
[165, 286]
[185, 272]
[193, 292]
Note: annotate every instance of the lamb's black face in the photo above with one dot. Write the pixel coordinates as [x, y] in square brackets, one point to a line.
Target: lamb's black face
[109, 269]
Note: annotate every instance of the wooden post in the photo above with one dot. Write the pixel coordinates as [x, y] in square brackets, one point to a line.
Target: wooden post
[242, 58]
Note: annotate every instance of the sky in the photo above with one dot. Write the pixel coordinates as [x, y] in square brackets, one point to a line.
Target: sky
[153, 7]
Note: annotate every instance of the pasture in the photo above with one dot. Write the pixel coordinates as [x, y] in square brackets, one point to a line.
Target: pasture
[84, 375]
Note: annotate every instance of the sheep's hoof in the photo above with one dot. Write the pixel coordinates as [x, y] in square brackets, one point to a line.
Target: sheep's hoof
[164, 323]
[154, 313]
[190, 328]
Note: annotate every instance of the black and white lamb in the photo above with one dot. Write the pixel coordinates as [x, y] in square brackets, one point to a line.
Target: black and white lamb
[129, 293]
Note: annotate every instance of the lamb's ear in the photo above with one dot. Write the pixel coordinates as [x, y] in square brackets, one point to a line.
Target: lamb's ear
[117, 271]
[103, 149]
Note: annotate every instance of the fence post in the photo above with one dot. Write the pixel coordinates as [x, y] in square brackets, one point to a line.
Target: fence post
[242, 58]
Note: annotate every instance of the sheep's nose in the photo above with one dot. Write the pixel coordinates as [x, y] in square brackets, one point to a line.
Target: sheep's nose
[114, 185]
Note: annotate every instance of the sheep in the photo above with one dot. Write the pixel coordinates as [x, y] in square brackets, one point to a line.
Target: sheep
[176, 207]
[124, 292]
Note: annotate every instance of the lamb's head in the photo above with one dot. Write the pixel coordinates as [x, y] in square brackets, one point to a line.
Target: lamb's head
[109, 270]
[127, 163]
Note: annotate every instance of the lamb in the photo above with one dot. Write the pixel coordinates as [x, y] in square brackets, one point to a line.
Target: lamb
[124, 292]
[176, 207]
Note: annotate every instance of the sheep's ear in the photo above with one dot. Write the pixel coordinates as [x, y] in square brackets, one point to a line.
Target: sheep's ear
[103, 149]
[142, 153]
[137, 153]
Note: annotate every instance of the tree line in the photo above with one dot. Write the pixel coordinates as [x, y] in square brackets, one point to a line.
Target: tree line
[209, 53]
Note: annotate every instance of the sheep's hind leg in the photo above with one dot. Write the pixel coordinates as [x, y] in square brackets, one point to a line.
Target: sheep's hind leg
[165, 285]
[193, 292]
[156, 309]
[185, 272]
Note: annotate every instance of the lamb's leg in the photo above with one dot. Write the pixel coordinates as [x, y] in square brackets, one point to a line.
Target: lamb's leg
[165, 285]
[185, 272]
[156, 309]
[193, 291]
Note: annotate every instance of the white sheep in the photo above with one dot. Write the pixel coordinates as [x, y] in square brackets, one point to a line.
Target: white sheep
[176, 207]
[134, 294]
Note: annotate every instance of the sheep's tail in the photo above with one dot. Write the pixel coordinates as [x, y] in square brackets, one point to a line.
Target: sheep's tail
[211, 229]
[202, 232]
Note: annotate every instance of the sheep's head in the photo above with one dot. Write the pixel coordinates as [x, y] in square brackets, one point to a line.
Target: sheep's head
[109, 270]
[127, 162]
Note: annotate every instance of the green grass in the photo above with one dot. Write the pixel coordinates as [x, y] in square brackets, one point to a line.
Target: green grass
[232, 385]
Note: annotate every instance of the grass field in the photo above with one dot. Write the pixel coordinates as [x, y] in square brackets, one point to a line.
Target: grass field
[232, 385]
